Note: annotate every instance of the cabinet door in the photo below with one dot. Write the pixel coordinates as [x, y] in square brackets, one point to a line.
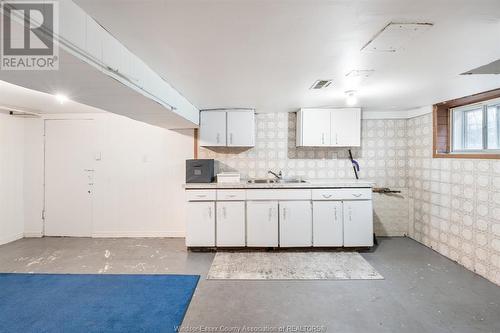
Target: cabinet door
[230, 223]
[315, 127]
[295, 223]
[200, 226]
[327, 223]
[358, 223]
[262, 223]
[240, 128]
[346, 127]
[212, 128]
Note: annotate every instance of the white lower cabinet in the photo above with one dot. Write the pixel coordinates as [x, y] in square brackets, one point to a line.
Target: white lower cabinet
[200, 226]
[295, 224]
[230, 223]
[328, 223]
[358, 223]
[326, 217]
[262, 223]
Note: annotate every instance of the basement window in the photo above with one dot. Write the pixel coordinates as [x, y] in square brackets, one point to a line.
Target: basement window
[468, 127]
[475, 128]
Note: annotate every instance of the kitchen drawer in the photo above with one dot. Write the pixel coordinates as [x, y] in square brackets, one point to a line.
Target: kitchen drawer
[200, 195]
[279, 194]
[231, 195]
[342, 194]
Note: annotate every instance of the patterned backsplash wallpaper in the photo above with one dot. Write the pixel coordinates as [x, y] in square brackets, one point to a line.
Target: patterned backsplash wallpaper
[454, 203]
[450, 205]
[382, 157]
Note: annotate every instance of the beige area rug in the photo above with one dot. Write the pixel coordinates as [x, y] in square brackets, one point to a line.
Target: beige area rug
[291, 266]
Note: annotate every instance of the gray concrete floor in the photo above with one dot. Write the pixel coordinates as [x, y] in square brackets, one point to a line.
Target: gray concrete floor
[422, 291]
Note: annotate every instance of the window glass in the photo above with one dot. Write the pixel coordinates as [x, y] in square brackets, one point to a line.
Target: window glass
[476, 127]
[473, 129]
[493, 126]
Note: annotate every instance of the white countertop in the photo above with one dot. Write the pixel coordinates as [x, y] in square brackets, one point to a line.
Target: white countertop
[316, 183]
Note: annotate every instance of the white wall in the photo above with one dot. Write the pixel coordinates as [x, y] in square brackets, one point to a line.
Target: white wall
[138, 181]
[33, 177]
[11, 178]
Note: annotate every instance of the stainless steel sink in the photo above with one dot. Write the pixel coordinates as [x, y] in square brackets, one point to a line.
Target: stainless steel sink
[274, 181]
[291, 181]
[261, 181]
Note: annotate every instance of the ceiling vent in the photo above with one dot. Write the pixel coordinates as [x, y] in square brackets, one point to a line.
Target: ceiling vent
[321, 84]
[491, 68]
[395, 36]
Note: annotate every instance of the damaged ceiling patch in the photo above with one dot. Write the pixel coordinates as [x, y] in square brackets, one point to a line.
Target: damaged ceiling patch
[395, 36]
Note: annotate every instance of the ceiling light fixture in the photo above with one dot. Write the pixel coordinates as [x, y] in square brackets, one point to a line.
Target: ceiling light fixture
[61, 98]
[351, 98]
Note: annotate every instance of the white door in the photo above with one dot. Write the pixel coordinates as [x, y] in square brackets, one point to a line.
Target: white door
[295, 223]
[327, 223]
[230, 223]
[346, 127]
[200, 223]
[212, 128]
[241, 128]
[69, 176]
[358, 223]
[262, 223]
[315, 127]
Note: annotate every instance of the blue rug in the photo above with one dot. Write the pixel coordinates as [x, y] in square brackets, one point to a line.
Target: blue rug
[94, 303]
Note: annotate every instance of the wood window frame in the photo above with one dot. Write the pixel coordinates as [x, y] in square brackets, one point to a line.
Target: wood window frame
[441, 124]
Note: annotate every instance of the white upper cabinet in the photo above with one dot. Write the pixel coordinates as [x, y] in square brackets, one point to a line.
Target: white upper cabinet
[213, 128]
[227, 128]
[346, 127]
[240, 128]
[315, 125]
[329, 127]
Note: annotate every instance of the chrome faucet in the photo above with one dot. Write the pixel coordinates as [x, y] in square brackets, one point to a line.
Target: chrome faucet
[278, 176]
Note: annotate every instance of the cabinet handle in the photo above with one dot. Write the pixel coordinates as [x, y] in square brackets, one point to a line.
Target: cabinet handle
[224, 211]
[270, 214]
[326, 196]
[357, 195]
[210, 212]
[201, 195]
[218, 138]
[231, 196]
[336, 139]
[350, 214]
[323, 138]
[284, 213]
[231, 138]
[335, 212]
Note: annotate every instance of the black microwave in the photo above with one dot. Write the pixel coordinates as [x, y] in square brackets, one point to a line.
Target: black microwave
[201, 171]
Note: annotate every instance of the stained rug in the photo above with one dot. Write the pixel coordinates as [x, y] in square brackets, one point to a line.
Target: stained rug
[291, 266]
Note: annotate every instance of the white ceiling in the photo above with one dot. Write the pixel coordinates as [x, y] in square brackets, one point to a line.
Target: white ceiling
[267, 53]
[88, 89]
[17, 98]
